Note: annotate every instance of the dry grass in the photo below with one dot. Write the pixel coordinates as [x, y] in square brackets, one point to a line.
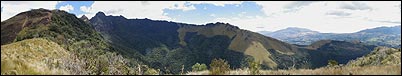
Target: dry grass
[32, 57]
[366, 70]
[260, 54]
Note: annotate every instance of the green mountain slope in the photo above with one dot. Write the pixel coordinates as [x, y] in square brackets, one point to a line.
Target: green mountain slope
[340, 51]
[72, 34]
[169, 45]
[190, 43]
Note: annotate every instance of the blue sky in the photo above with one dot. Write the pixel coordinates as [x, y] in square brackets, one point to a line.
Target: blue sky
[208, 12]
[76, 5]
[322, 16]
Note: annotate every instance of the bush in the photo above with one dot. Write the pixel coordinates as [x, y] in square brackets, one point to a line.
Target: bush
[219, 67]
[151, 71]
[199, 67]
[254, 68]
[332, 63]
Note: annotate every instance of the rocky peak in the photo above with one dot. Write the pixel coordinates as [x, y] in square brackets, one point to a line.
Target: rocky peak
[85, 18]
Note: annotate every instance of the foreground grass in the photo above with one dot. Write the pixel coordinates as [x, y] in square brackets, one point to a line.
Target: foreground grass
[365, 70]
[33, 57]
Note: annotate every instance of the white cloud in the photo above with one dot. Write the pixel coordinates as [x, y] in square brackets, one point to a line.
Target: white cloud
[273, 7]
[12, 8]
[241, 14]
[134, 9]
[67, 8]
[216, 3]
[85, 9]
[60, 1]
[213, 15]
[145, 9]
[184, 7]
[333, 16]
[315, 16]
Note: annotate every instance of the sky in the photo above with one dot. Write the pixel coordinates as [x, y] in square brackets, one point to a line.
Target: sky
[322, 16]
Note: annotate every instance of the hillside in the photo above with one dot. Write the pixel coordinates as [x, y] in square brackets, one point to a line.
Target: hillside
[167, 41]
[340, 51]
[72, 34]
[161, 43]
[35, 56]
[380, 56]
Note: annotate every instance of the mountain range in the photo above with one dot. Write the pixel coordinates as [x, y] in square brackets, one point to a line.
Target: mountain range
[380, 36]
[117, 45]
[165, 40]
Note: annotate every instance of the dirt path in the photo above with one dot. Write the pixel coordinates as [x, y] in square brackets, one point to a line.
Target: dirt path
[25, 21]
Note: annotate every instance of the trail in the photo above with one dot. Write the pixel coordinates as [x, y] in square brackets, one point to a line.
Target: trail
[25, 21]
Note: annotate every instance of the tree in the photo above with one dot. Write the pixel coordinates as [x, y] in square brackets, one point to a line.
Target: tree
[219, 67]
[199, 67]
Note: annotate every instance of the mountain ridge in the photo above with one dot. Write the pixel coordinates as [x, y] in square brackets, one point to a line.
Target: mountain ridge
[212, 40]
[380, 36]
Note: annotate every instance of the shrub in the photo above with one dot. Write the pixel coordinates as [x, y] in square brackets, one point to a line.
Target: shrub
[332, 63]
[199, 67]
[254, 68]
[219, 67]
[151, 71]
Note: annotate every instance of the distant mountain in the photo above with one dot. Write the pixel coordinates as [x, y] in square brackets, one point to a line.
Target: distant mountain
[383, 30]
[292, 32]
[265, 32]
[294, 35]
[381, 36]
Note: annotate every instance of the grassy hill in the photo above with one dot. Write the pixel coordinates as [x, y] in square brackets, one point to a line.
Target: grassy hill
[35, 56]
[380, 56]
[72, 34]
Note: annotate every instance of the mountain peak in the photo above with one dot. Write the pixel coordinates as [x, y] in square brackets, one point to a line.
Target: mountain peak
[221, 24]
[100, 14]
[85, 18]
[298, 29]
